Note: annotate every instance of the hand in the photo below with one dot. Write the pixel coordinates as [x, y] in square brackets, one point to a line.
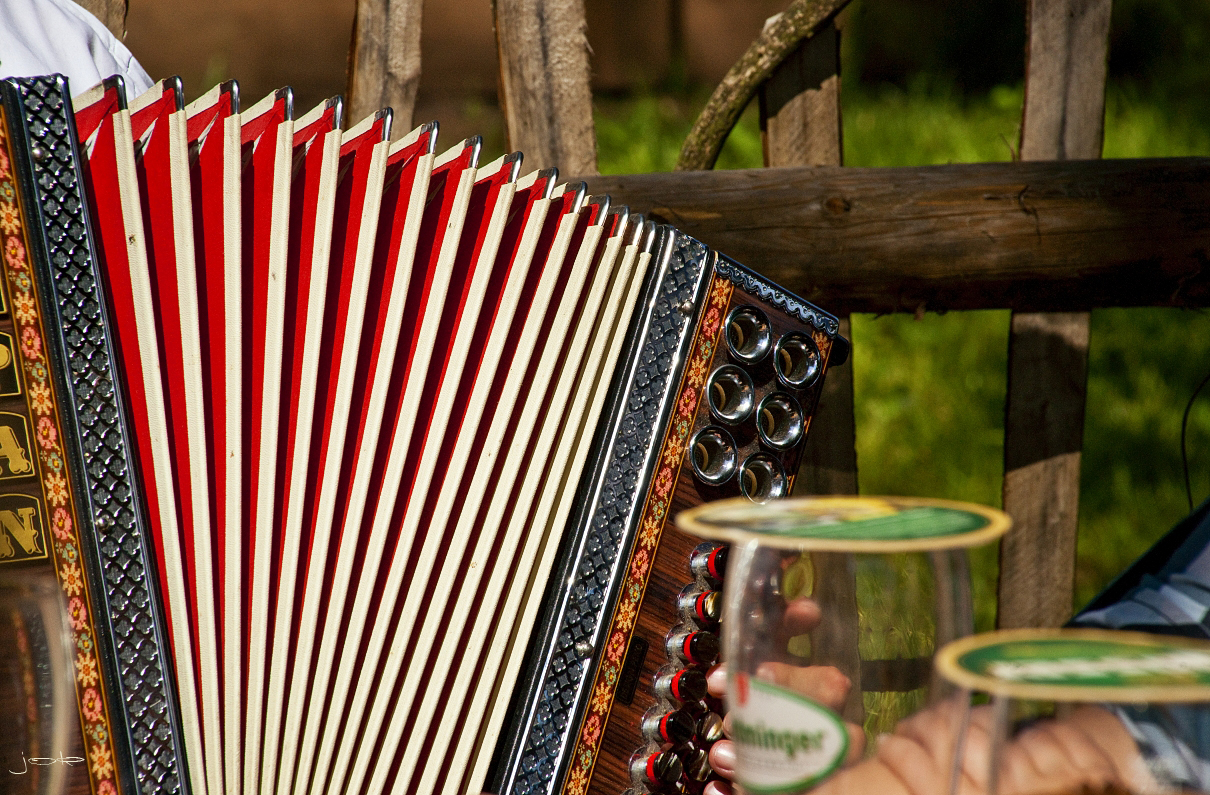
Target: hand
[1088, 750]
[821, 683]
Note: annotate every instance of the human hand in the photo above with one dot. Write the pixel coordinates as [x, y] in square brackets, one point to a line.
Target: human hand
[823, 684]
[1087, 751]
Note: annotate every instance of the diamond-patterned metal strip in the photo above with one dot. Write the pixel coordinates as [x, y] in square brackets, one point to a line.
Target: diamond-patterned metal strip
[98, 440]
[606, 541]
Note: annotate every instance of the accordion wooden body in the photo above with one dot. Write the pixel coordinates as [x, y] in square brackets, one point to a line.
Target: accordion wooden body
[356, 462]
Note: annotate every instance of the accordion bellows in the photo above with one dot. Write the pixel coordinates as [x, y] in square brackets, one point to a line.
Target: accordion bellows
[371, 452]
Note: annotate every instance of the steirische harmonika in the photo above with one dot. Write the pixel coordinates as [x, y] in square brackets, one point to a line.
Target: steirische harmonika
[356, 461]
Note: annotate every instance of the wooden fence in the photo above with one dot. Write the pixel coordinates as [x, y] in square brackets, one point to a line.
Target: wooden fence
[1049, 238]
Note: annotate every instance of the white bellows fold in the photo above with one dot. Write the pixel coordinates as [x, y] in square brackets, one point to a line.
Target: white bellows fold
[363, 381]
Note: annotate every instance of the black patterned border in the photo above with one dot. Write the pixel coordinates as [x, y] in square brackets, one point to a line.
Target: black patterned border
[752, 282]
[119, 559]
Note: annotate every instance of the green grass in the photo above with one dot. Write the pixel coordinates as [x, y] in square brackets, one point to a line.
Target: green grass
[642, 134]
[929, 126]
[930, 392]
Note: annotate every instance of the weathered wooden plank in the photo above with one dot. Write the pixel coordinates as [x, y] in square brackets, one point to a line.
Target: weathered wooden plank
[1048, 354]
[1064, 113]
[800, 105]
[384, 61]
[112, 14]
[1048, 365]
[544, 82]
[800, 119]
[829, 458]
[1028, 236]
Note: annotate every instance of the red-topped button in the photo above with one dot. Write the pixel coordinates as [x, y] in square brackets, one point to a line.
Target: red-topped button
[660, 769]
[709, 561]
[700, 647]
[674, 727]
[685, 685]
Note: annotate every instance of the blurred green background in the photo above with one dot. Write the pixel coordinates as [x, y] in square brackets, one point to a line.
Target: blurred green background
[940, 81]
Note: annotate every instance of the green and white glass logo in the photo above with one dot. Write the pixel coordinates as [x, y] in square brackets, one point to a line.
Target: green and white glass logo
[784, 743]
[1080, 665]
[848, 524]
[1085, 662]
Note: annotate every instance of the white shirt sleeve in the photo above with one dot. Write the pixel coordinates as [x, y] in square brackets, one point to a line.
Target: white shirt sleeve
[39, 37]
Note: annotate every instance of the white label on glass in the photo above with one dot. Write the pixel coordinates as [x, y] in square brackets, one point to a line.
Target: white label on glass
[784, 742]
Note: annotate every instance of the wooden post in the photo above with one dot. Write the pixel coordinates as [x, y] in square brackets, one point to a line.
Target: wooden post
[384, 61]
[544, 84]
[1048, 353]
[112, 14]
[800, 105]
[800, 125]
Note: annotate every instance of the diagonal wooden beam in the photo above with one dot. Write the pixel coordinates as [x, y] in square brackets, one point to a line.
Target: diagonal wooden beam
[801, 20]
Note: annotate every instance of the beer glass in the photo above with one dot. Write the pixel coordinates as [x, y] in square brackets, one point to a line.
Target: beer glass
[37, 693]
[827, 591]
[1078, 710]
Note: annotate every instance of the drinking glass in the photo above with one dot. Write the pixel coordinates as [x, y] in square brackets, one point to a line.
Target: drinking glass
[37, 693]
[1079, 710]
[824, 591]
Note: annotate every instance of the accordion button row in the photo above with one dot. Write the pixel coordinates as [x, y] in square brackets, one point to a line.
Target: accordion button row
[685, 721]
[795, 357]
[754, 397]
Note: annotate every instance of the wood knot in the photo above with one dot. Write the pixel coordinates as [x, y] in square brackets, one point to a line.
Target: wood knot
[837, 205]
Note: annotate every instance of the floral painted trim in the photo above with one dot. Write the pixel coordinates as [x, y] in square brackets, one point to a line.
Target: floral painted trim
[56, 485]
[655, 513]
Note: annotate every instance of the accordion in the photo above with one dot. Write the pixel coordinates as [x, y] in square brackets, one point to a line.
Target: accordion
[355, 462]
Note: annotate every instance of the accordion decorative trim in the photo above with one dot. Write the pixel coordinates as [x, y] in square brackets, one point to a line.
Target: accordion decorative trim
[748, 281]
[145, 720]
[655, 513]
[55, 480]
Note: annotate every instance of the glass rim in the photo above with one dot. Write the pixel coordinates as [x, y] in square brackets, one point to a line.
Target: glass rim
[952, 662]
[858, 524]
